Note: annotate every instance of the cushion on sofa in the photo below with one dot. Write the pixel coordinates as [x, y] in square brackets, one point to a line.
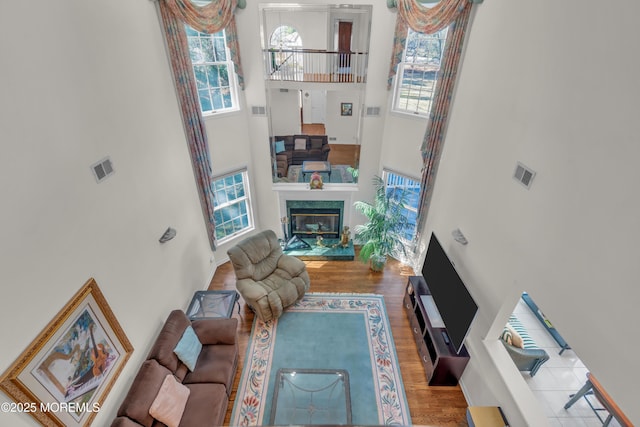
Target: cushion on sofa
[167, 340]
[279, 147]
[217, 364]
[207, 405]
[317, 141]
[188, 348]
[216, 331]
[300, 144]
[170, 402]
[143, 391]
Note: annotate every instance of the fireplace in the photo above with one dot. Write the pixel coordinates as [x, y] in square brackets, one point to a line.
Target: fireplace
[311, 218]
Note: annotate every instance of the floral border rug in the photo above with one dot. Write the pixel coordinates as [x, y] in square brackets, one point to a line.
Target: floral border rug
[253, 403]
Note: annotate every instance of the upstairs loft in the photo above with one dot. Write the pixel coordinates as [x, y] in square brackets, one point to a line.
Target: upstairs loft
[314, 65]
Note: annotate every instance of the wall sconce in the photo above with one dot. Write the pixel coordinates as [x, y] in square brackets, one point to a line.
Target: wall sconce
[168, 235]
[459, 237]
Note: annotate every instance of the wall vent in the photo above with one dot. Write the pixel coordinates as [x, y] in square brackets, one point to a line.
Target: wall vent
[333, 138]
[524, 175]
[373, 112]
[102, 169]
[259, 110]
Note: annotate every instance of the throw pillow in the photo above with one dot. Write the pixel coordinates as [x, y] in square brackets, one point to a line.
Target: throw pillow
[169, 404]
[300, 144]
[188, 348]
[516, 339]
[279, 147]
[506, 336]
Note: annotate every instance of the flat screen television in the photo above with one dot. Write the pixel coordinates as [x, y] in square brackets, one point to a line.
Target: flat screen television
[450, 295]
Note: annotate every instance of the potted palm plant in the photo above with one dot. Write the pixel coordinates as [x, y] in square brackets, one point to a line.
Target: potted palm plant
[382, 235]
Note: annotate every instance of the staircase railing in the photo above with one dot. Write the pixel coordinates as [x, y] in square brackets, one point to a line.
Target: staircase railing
[311, 65]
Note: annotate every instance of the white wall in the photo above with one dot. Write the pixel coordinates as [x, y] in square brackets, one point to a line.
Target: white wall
[285, 112]
[311, 25]
[74, 90]
[547, 83]
[343, 128]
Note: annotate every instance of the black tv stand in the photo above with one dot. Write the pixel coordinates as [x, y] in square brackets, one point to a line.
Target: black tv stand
[442, 365]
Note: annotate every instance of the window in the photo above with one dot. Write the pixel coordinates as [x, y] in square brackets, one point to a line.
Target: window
[400, 187]
[285, 59]
[214, 71]
[232, 205]
[416, 76]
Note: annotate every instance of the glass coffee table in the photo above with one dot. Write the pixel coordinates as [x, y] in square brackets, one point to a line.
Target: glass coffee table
[311, 396]
[311, 166]
[212, 304]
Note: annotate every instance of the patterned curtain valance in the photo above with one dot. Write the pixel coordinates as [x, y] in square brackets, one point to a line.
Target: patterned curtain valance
[209, 18]
[429, 20]
[217, 15]
[420, 18]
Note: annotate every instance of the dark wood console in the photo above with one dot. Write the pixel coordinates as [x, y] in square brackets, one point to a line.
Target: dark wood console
[442, 365]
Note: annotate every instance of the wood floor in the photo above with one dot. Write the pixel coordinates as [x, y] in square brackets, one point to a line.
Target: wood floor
[344, 154]
[429, 406]
[313, 129]
[340, 154]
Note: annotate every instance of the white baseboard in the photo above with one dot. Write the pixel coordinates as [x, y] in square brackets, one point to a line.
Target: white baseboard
[465, 392]
[221, 261]
[212, 272]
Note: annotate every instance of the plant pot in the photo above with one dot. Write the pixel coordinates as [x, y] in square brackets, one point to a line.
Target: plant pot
[377, 262]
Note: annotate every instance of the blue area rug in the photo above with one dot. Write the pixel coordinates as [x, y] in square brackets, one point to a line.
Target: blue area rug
[326, 331]
[339, 173]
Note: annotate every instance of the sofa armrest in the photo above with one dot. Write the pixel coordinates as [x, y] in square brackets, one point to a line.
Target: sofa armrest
[292, 265]
[216, 331]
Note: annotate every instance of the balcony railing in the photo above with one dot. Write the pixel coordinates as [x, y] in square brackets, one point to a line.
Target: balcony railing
[310, 65]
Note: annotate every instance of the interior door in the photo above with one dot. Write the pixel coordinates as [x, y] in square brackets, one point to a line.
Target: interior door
[344, 43]
[314, 106]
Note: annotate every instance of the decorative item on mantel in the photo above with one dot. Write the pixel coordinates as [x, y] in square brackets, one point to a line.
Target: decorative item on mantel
[316, 181]
[345, 236]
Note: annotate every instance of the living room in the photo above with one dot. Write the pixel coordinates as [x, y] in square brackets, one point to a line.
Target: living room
[542, 98]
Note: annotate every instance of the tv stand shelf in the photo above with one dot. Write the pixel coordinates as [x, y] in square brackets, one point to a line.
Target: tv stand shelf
[442, 365]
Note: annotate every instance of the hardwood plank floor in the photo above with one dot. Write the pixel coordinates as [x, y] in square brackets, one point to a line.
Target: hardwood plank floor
[313, 129]
[344, 154]
[429, 406]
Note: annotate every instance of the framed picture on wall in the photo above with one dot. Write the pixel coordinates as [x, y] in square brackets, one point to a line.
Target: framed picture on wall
[346, 108]
[67, 371]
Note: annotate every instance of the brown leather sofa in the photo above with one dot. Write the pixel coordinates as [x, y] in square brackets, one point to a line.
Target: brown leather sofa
[299, 148]
[210, 382]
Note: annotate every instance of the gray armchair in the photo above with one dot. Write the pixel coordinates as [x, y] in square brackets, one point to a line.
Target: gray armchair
[531, 357]
[268, 280]
[527, 359]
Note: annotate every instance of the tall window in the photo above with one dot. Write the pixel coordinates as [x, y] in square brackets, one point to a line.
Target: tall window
[214, 72]
[232, 205]
[404, 188]
[417, 73]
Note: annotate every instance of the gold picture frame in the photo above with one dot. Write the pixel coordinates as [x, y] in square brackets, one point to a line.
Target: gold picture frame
[64, 375]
